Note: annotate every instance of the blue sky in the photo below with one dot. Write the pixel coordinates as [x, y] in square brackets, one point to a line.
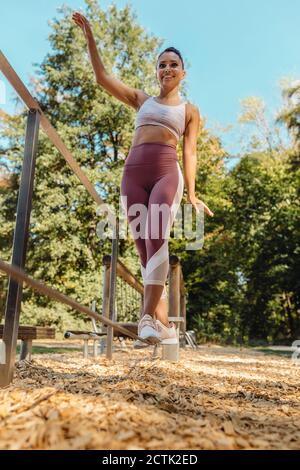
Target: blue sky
[235, 48]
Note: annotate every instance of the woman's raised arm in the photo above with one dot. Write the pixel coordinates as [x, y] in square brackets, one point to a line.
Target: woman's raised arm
[128, 95]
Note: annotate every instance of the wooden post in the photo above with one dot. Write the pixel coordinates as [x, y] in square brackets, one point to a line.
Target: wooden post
[95, 348]
[174, 287]
[170, 352]
[26, 349]
[183, 315]
[85, 349]
[112, 289]
[96, 343]
[105, 297]
[15, 289]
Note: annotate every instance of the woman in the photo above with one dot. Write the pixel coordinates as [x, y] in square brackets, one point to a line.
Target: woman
[152, 177]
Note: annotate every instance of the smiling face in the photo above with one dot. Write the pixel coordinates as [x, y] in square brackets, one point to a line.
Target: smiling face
[169, 70]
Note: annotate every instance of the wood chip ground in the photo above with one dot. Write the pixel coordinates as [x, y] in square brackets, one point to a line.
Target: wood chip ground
[213, 398]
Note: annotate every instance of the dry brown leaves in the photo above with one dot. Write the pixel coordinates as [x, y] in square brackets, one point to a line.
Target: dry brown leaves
[214, 398]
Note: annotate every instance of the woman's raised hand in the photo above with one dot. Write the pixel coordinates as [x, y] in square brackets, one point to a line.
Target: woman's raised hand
[83, 23]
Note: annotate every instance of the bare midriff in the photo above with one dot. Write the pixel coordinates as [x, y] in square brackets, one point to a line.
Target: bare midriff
[150, 133]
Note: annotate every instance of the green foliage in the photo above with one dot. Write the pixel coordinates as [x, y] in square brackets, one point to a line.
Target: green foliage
[55, 315]
[265, 225]
[244, 284]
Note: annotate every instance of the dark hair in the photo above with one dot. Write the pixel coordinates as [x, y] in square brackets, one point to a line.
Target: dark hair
[172, 49]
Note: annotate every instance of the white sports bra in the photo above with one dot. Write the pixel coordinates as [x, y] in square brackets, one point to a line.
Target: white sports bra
[158, 114]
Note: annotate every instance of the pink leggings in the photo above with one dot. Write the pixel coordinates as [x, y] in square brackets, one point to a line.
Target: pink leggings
[151, 191]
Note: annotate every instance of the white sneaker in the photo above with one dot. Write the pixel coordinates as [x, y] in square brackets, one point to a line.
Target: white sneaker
[147, 330]
[167, 335]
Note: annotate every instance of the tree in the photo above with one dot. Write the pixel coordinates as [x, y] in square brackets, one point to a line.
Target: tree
[264, 222]
[64, 249]
[290, 115]
[265, 133]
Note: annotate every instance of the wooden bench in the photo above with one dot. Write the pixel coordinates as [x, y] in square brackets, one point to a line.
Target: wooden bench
[27, 334]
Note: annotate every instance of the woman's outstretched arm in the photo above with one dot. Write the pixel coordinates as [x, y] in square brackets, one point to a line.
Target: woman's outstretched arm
[190, 160]
[128, 95]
